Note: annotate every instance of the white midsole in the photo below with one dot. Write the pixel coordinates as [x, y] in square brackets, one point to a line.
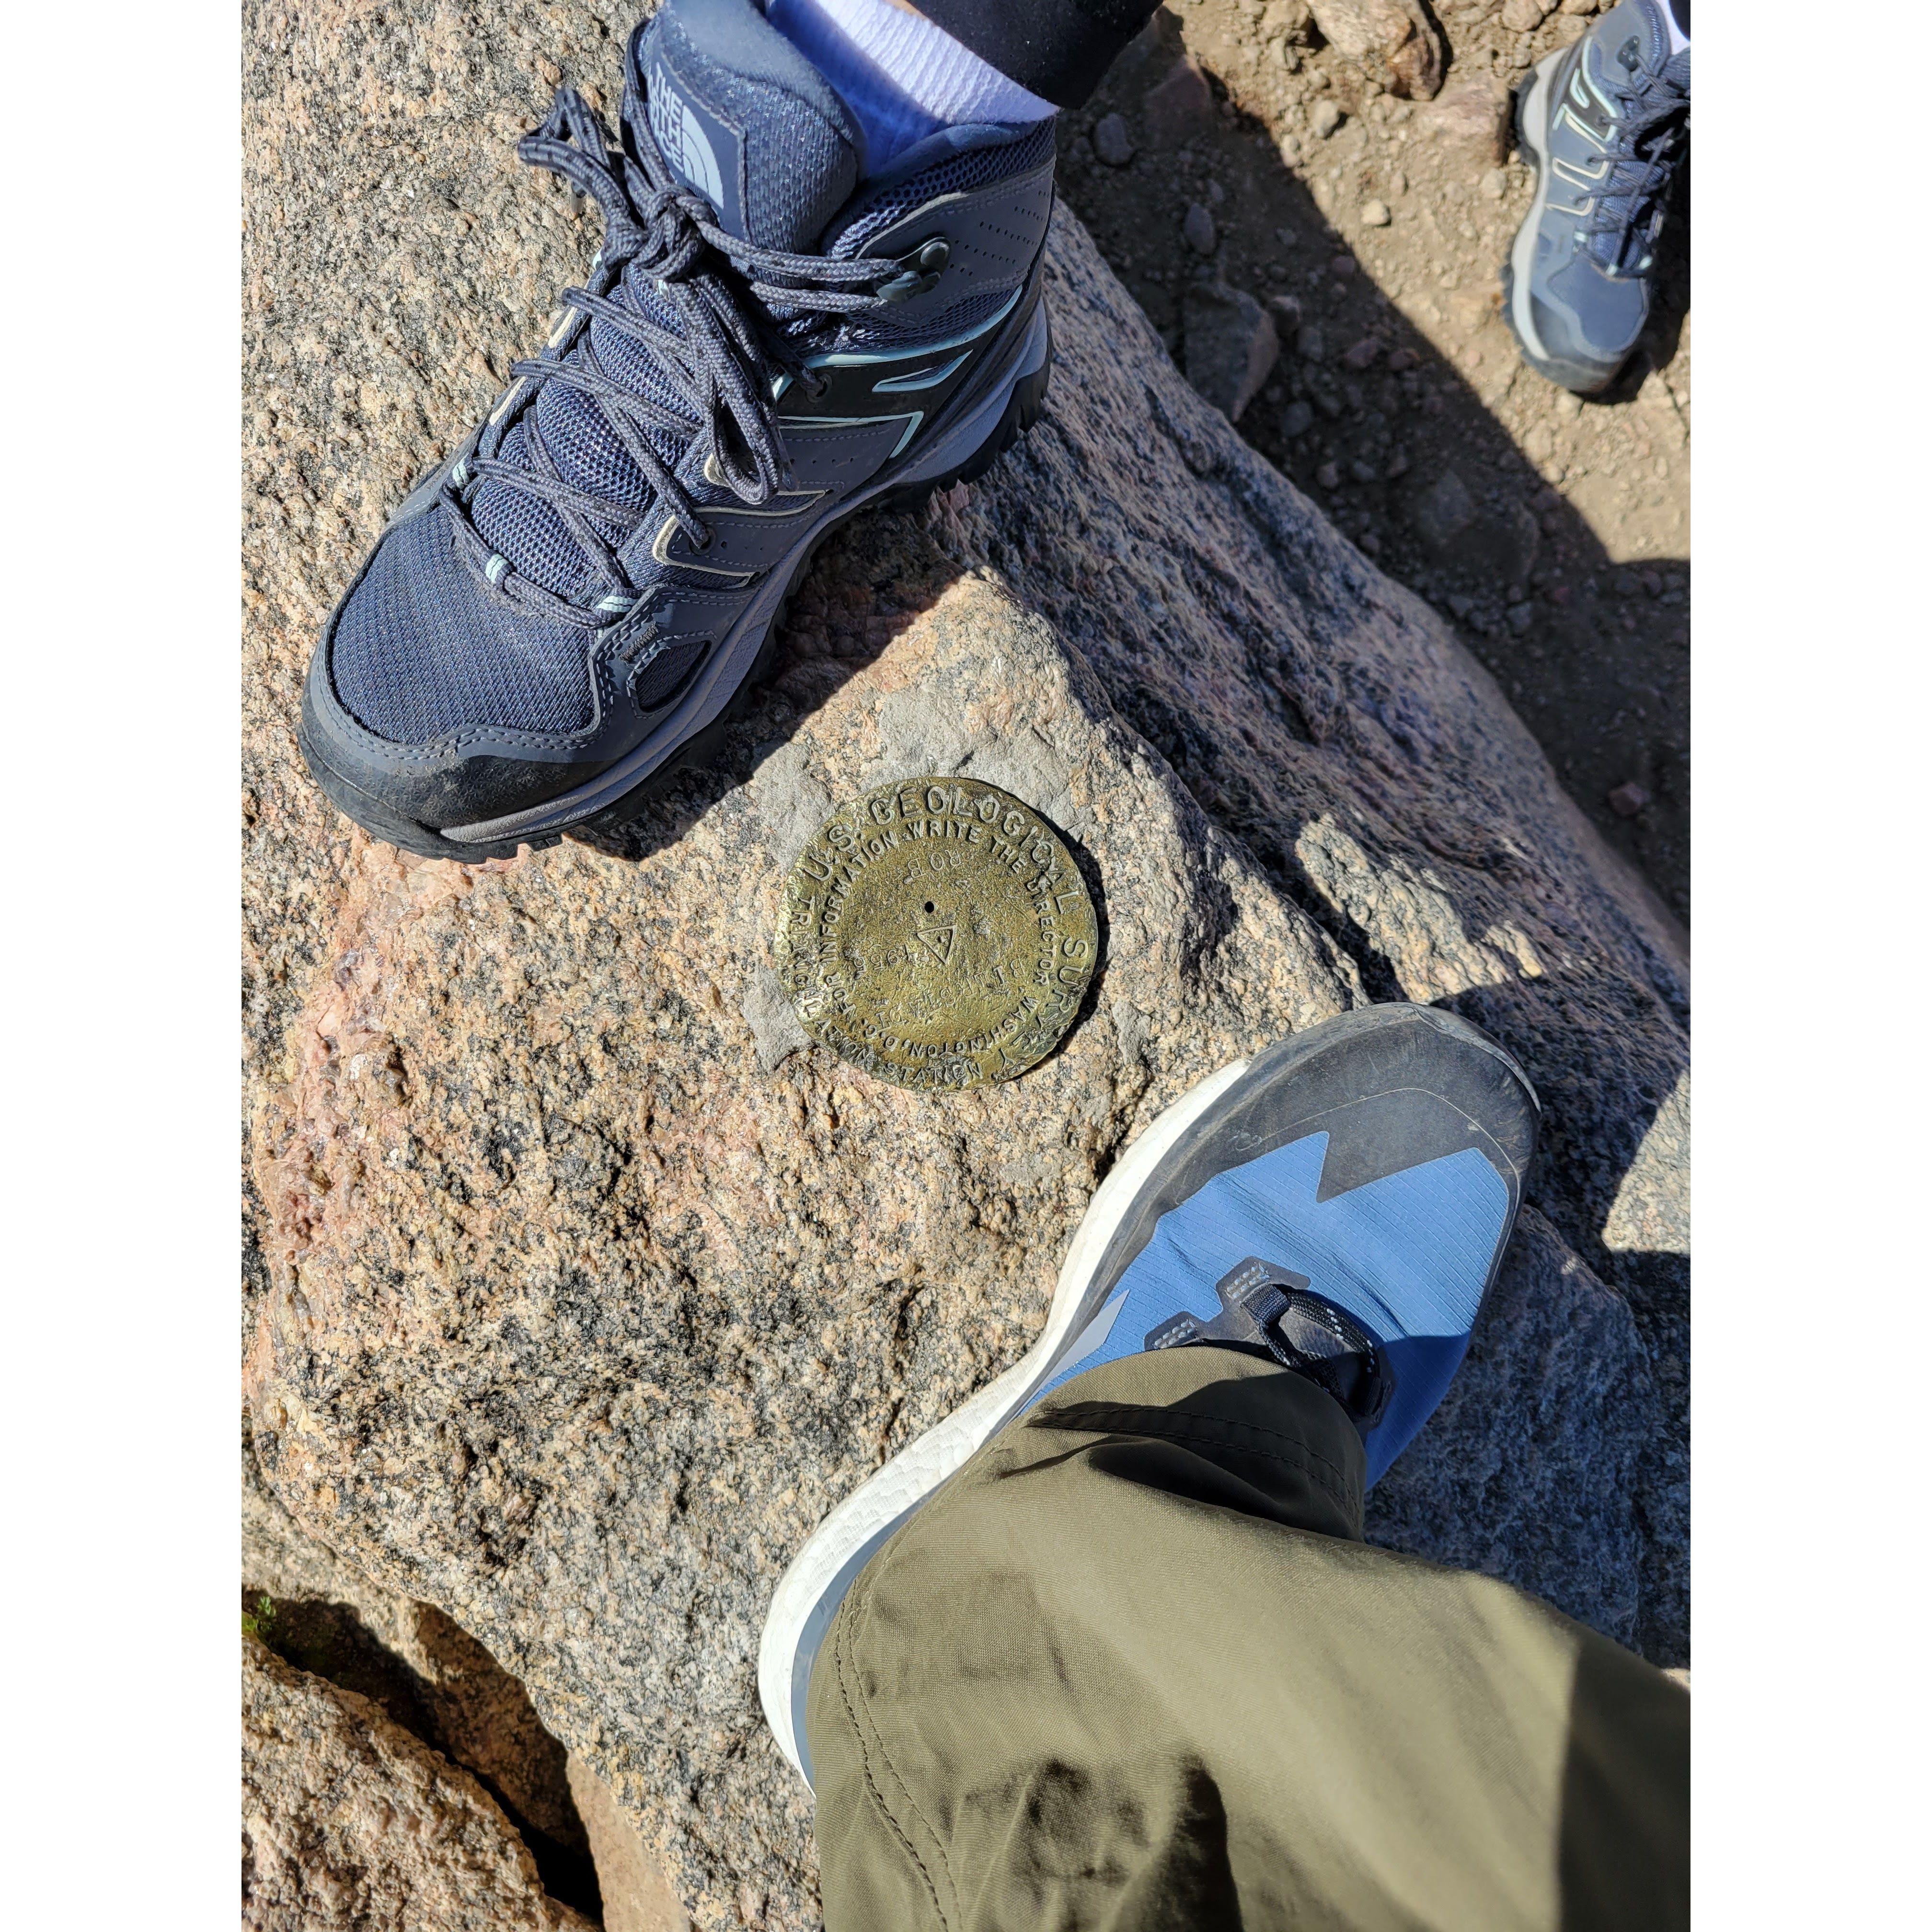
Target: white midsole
[811, 1589]
[1522, 251]
[729, 664]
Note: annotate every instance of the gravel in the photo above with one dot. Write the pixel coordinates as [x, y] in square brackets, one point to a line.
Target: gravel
[1198, 230]
[1443, 511]
[1231, 345]
[1375, 214]
[1447, 381]
[1111, 141]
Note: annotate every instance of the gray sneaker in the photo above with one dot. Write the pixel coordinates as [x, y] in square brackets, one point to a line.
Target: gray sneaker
[1606, 122]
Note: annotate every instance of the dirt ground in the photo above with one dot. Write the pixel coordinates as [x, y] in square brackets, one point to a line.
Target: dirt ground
[1554, 532]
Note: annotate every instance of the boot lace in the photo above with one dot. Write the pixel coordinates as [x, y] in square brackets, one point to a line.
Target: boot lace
[1651, 130]
[742, 317]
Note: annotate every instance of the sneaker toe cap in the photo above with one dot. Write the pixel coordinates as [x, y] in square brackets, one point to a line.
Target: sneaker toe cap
[1589, 322]
[424, 690]
[420, 651]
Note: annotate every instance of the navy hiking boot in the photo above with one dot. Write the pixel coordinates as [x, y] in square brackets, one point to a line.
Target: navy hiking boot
[1606, 122]
[569, 606]
[1339, 1203]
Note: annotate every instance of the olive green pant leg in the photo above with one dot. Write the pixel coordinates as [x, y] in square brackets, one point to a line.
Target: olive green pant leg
[1134, 1668]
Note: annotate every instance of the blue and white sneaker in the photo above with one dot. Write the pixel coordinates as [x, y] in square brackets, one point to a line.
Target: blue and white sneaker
[569, 605]
[1606, 122]
[1340, 1202]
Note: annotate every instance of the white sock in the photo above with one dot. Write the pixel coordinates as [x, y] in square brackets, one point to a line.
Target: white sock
[902, 77]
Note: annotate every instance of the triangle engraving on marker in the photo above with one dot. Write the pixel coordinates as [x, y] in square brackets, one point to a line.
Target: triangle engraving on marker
[937, 940]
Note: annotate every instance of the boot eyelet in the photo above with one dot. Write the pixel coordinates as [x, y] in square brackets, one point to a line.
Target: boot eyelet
[918, 270]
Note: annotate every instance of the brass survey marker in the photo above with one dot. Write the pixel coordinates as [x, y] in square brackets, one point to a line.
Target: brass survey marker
[936, 933]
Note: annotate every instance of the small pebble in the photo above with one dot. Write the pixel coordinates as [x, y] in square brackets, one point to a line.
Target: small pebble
[1398, 465]
[1286, 310]
[1461, 605]
[1362, 472]
[1522, 616]
[1400, 359]
[1569, 407]
[1216, 193]
[1626, 584]
[1295, 420]
[1308, 344]
[1325, 117]
[1111, 141]
[1328, 476]
[1198, 230]
[1627, 799]
[1496, 183]
[1342, 267]
[1360, 355]
[1375, 214]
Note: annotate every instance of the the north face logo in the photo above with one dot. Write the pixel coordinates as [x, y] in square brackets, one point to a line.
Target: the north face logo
[686, 146]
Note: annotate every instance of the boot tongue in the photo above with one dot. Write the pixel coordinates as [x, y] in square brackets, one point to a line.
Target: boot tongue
[745, 120]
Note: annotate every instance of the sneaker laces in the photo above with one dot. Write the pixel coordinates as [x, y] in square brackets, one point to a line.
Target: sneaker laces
[741, 318]
[1656, 110]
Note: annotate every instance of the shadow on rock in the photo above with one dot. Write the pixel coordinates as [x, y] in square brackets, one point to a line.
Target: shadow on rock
[1267, 307]
[870, 582]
